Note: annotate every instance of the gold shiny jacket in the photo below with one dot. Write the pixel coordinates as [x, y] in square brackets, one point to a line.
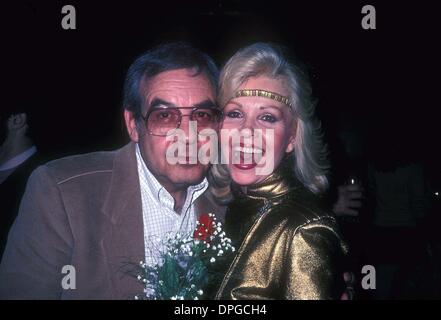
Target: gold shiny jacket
[288, 246]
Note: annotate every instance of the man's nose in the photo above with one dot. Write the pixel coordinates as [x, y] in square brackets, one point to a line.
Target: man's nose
[189, 128]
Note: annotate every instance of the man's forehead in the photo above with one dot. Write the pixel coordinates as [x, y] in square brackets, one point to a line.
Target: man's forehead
[180, 78]
[178, 85]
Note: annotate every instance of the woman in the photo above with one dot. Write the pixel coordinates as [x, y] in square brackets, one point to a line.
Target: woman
[288, 246]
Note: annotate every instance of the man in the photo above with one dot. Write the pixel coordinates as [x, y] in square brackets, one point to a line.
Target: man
[100, 213]
[18, 158]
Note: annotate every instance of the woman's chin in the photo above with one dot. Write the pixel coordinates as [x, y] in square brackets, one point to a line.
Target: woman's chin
[245, 177]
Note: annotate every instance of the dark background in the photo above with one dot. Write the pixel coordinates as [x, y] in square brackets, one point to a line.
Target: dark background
[383, 82]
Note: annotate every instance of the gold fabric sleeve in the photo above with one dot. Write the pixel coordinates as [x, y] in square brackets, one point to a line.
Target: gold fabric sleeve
[312, 264]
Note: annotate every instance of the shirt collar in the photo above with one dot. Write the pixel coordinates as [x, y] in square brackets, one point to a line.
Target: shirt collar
[161, 194]
[18, 159]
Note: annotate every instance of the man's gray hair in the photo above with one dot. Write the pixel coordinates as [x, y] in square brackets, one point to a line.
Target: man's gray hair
[164, 57]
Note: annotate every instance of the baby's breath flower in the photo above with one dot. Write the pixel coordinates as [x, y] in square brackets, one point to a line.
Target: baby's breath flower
[184, 249]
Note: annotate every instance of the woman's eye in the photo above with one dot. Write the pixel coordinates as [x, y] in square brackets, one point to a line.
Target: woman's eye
[268, 118]
[234, 114]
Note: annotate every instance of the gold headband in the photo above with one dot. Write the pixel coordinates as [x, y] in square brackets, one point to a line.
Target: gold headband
[265, 94]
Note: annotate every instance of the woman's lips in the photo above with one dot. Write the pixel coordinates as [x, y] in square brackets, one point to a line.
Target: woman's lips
[245, 166]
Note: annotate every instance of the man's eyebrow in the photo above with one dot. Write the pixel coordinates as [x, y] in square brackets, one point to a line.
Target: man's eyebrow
[206, 104]
[159, 102]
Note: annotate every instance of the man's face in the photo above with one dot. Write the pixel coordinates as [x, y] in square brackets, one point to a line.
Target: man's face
[178, 88]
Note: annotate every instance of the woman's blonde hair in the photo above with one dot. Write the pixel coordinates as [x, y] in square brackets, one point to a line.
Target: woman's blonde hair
[309, 158]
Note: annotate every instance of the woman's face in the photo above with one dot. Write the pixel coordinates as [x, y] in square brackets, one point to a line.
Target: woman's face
[266, 132]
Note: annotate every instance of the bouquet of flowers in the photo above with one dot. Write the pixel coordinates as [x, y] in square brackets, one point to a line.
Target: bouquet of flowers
[185, 266]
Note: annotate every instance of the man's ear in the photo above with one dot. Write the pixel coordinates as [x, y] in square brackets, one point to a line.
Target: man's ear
[17, 121]
[131, 126]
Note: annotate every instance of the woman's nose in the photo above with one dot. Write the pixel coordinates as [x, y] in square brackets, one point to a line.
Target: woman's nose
[246, 133]
[247, 123]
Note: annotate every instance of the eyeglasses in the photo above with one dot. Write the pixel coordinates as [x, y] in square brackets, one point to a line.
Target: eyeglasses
[162, 121]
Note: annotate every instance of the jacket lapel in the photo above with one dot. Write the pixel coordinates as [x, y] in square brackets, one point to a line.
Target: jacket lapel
[124, 243]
